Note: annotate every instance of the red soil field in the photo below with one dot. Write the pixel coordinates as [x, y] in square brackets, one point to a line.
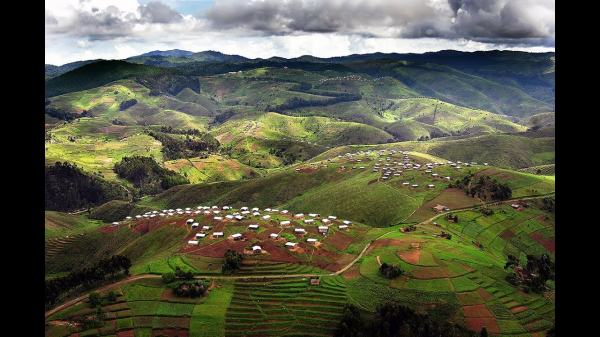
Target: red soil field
[108, 229]
[476, 324]
[518, 309]
[170, 333]
[387, 242]
[477, 310]
[306, 170]
[507, 234]
[548, 243]
[340, 241]
[411, 256]
[126, 333]
[427, 273]
[484, 294]
[352, 273]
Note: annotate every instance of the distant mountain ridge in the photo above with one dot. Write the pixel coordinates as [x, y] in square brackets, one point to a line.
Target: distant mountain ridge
[504, 82]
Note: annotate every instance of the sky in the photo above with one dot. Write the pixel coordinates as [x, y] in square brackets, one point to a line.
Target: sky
[116, 29]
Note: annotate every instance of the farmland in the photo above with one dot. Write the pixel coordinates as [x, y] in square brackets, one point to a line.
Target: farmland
[285, 185]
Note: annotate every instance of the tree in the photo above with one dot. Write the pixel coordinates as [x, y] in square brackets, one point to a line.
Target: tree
[111, 296]
[232, 262]
[351, 324]
[168, 277]
[94, 299]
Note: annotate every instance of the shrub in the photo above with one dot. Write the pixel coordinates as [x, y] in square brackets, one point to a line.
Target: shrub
[390, 271]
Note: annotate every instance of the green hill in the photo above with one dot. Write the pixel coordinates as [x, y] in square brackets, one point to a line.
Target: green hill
[512, 151]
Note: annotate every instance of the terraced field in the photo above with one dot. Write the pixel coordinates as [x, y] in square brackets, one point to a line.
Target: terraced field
[285, 308]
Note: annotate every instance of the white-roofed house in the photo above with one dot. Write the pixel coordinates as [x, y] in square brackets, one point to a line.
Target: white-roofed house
[312, 240]
[200, 235]
[285, 223]
[236, 236]
[323, 229]
[253, 226]
[195, 225]
[217, 234]
[266, 217]
[273, 235]
[256, 249]
[290, 244]
[343, 226]
[300, 230]
[193, 242]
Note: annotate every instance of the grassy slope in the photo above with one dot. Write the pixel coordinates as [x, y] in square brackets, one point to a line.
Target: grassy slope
[349, 193]
[503, 150]
[211, 169]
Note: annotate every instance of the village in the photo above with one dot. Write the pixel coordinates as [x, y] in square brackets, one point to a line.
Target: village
[269, 233]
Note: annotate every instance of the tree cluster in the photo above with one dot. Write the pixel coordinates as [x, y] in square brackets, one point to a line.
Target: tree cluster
[390, 271]
[297, 102]
[68, 188]
[548, 204]
[87, 277]
[533, 275]
[147, 175]
[484, 187]
[127, 104]
[395, 320]
[190, 289]
[232, 262]
[176, 148]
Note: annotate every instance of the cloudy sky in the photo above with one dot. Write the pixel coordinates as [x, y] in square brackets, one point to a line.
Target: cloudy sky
[115, 29]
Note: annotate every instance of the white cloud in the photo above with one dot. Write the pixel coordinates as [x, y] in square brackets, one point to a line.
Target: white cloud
[79, 29]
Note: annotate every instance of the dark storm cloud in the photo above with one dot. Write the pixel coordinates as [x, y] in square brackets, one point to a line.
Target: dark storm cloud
[157, 12]
[472, 19]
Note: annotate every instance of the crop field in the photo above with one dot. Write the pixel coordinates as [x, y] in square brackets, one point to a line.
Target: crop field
[147, 308]
[285, 308]
[468, 280]
[213, 168]
[522, 232]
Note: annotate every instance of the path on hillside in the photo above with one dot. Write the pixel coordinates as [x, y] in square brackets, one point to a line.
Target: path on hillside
[283, 276]
[462, 209]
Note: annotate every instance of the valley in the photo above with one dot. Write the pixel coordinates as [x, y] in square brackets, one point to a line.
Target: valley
[283, 188]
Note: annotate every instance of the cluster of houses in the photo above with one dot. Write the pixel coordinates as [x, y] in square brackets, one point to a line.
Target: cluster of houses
[226, 213]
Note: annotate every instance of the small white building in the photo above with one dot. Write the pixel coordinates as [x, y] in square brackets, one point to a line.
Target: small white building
[323, 229]
[229, 216]
[253, 226]
[285, 211]
[205, 228]
[300, 230]
[299, 216]
[343, 226]
[313, 215]
[128, 218]
[239, 217]
[431, 185]
[311, 240]
[309, 220]
[200, 235]
[195, 225]
[266, 217]
[218, 218]
[217, 234]
[346, 222]
[414, 185]
[115, 223]
[193, 242]
[290, 244]
[326, 221]
[285, 223]
[256, 249]
[236, 236]
[274, 235]
[332, 217]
